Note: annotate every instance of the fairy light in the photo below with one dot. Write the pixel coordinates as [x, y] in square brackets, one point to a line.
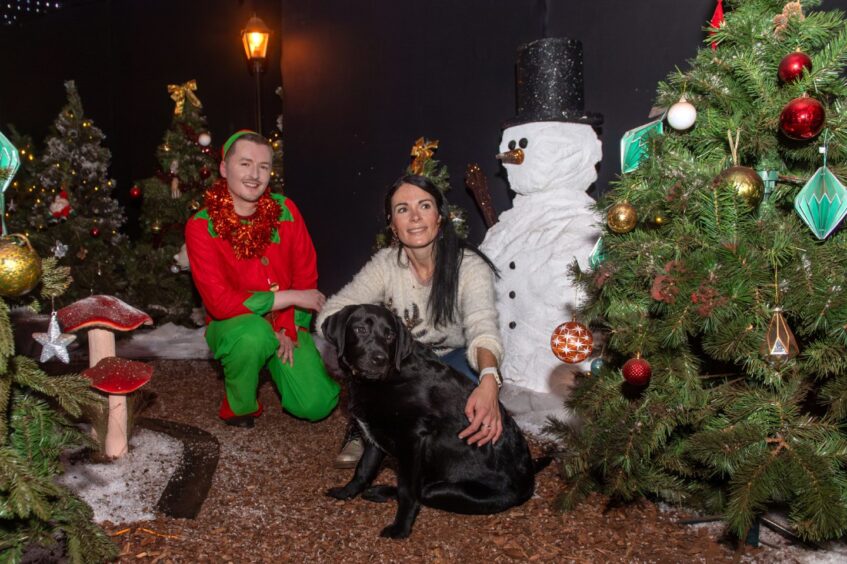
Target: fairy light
[14, 11]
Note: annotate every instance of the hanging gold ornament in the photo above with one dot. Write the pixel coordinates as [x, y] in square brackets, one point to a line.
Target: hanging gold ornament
[156, 226]
[746, 183]
[622, 217]
[779, 343]
[20, 266]
[659, 219]
[194, 205]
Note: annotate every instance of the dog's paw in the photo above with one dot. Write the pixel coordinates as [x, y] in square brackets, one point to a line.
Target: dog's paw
[380, 494]
[340, 493]
[395, 532]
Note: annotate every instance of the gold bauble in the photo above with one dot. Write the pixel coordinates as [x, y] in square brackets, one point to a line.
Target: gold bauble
[155, 227]
[659, 220]
[622, 217]
[194, 205]
[748, 185]
[20, 266]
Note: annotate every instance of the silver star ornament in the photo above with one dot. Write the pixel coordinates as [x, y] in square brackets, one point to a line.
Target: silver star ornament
[59, 249]
[55, 342]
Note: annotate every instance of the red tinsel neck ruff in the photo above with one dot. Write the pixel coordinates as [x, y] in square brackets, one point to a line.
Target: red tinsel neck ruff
[248, 237]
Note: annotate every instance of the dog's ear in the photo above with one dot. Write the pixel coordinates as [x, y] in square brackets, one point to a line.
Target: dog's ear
[334, 328]
[403, 343]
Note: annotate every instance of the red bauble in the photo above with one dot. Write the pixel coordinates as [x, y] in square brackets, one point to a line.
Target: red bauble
[135, 192]
[205, 172]
[572, 342]
[95, 232]
[791, 66]
[637, 371]
[802, 119]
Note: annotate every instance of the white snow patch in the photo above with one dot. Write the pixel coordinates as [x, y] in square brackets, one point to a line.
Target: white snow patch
[168, 341]
[126, 490]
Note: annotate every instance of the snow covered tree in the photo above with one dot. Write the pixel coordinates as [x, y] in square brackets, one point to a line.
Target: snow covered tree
[35, 428]
[159, 284]
[72, 212]
[721, 260]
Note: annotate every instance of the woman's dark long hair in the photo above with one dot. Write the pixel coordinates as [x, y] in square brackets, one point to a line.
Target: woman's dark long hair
[447, 253]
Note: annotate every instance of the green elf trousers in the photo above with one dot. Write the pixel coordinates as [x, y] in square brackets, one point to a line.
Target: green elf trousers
[246, 343]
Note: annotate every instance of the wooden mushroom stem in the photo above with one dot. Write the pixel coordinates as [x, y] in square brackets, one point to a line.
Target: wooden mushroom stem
[101, 344]
[117, 438]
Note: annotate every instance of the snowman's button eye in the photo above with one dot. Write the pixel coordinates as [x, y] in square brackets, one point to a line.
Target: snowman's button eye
[523, 143]
[512, 294]
[512, 325]
[512, 145]
[512, 265]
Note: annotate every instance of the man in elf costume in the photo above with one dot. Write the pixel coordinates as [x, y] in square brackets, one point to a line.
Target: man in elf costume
[254, 264]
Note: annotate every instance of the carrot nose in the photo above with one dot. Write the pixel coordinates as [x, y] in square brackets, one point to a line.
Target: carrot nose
[515, 156]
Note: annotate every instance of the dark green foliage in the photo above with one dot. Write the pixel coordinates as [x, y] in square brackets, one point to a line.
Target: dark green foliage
[721, 425]
[34, 430]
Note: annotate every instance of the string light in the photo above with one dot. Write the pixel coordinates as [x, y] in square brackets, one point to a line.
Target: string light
[14, 11]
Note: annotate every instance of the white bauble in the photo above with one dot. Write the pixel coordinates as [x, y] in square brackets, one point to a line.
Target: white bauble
[682, 115]
[204, 139]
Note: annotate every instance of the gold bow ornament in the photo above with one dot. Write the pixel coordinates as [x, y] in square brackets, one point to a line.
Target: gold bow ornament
[180, 93]
[422, 150]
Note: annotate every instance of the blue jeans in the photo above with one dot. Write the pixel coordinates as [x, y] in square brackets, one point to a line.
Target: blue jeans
[458, 359]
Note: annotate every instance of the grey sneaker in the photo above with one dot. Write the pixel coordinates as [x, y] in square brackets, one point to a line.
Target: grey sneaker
[350, 454]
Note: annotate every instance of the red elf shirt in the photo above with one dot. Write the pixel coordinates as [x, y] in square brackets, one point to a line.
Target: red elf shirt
[230, 286]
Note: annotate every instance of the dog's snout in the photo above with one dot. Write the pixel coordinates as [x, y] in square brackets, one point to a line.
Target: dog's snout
[379, 358]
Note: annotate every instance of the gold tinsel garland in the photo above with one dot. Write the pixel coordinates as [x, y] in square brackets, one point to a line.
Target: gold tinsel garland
[248, 237]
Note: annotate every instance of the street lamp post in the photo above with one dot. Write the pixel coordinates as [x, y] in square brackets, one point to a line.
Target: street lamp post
[254, 37]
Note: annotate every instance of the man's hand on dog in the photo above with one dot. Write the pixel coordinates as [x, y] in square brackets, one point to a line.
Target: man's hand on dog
[286, 348]
[483, 411]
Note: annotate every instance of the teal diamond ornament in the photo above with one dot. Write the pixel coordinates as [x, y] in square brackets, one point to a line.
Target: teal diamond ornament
[10, 162]
[634, 144]
[597, 256]
[822, 203]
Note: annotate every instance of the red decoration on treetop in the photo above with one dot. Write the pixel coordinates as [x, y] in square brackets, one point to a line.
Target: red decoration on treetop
[717, 20]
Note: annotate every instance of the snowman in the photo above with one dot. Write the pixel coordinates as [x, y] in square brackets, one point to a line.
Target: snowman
[550, 151]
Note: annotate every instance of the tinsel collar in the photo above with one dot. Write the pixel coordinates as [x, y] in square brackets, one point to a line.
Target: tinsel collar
[248, 236]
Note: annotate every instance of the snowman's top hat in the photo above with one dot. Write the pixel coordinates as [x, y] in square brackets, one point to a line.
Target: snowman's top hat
[550, 84]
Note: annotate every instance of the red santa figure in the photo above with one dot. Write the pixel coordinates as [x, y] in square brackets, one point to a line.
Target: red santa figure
[60, 208]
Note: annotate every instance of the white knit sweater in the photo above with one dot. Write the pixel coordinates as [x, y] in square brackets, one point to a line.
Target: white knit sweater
[385, 282]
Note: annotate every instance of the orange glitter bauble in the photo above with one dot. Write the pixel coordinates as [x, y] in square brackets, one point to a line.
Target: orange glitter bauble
[572, 342]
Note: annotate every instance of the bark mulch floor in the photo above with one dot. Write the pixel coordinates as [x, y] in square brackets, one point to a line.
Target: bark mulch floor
[267, 504]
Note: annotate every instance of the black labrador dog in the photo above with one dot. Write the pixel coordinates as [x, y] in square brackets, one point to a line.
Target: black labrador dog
[411, 405]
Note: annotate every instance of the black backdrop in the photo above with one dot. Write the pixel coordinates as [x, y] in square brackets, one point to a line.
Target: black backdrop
[362, 79]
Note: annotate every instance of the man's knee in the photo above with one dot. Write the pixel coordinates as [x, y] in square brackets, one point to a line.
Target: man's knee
[315, 407]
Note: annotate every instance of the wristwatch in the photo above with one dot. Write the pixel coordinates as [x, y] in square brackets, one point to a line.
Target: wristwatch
[494, 372]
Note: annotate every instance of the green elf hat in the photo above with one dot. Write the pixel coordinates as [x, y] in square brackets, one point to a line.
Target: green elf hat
[232, 139]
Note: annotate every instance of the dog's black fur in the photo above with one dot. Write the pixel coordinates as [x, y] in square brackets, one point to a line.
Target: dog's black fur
[411, 405]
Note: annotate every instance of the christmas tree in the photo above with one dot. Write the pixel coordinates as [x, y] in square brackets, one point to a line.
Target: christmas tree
[159, 283]
[72, 213]
[723, 381]
[35, 427]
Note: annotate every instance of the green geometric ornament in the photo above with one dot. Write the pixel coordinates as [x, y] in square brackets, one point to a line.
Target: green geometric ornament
[10, 161]
[597, 255]
[822, 203]
[634, 144]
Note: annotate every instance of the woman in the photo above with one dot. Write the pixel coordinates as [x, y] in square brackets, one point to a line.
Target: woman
[442, 287]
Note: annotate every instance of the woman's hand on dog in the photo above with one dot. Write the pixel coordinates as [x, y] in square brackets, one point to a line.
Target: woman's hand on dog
[286, 348]
[483, 411]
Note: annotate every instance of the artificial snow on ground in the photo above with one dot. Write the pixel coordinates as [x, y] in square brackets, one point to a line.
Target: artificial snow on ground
[127, 489]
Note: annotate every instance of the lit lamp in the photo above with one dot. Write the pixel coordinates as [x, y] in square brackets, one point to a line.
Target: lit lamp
[255, 36]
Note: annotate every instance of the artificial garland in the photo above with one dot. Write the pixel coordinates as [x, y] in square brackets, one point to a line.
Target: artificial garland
[248, 237]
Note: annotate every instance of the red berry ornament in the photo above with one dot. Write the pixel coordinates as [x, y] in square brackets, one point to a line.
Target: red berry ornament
[802, 119]
[572, 342]
[95, 232]
[135, 192]
[791, 66]
[637, 371]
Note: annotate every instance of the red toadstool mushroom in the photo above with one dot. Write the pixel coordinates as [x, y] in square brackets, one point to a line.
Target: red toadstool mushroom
[101, 315]
[118, 377]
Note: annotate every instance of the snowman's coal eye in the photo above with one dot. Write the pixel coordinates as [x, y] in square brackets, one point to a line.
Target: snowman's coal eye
[512, 145]
[523, 143]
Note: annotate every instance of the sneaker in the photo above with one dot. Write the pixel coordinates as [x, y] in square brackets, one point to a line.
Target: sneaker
[353, 448]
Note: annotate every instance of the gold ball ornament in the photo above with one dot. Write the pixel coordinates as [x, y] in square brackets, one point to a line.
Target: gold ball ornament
[622, 217]
[156, 227]
[748, 185]
[20, 266]
[194, 205]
